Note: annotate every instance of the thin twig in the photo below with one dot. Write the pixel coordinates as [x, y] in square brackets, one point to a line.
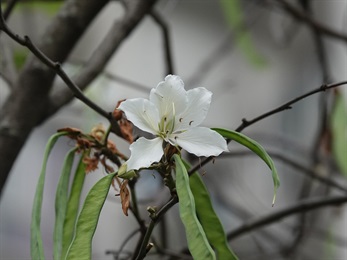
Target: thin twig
[246, 123]
[302, 206]
[130, 83]
[303, 225]
[9, 7]
[167, 42]
[302, 169]
[134, 206]
[226, 46]
[113, 77]
[27, 107]
[135, 12]
[154, 220]
[172, 254]
[125, 241]
[302, 16]
[56, 66]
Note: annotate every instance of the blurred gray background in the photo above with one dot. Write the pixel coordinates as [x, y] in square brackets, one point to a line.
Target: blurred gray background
[205, 53]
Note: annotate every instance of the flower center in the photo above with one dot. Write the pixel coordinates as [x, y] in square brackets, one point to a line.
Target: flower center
[167, 124]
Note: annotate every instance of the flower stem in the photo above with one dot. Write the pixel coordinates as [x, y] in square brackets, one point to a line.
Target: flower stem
[155, 218]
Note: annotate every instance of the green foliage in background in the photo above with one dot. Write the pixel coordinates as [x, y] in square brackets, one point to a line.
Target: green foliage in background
[339, 132]
[235, 18]
[49, 7]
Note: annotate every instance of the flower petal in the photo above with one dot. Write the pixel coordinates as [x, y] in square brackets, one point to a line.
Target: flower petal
[199, 100]
[144, 152]
[169, 96]
[142, 113]
[201, 141]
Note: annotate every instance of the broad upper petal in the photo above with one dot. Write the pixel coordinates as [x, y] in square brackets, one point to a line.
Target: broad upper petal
[199, 100]
[201, 141]
[169, 96]
[144, 152]
[142, 113]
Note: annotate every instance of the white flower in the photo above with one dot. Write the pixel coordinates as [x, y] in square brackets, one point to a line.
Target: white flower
[172, 114]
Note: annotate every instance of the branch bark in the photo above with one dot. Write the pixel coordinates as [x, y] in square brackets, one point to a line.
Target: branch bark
[302, 16]
[18, 116]
[246, 123]
[303, 206]
[28, 101]
[135, 12]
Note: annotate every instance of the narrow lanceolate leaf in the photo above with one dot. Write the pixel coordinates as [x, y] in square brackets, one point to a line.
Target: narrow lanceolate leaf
[198, 243]
[73, 206]
[257, 149]
[208, 218]
[81, 246]
[339, 132]
[61, 199]
[36, 248]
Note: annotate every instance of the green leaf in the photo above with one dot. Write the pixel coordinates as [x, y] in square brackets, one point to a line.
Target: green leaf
[339, 132]
[198, 244]
[257, 149]
[47, 7]
[73, 206]
[234, 16]
[208, 217]
[61, 199]
[36, 248]
[81, 246]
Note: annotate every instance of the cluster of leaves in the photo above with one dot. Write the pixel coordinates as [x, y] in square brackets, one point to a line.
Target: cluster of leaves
[73, 236]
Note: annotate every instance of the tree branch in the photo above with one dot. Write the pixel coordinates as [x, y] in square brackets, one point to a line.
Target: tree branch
[55, 66]
[9, 7]
[135, 12]
[154, 220]
[25, 107]
[246, 123]
[7, 68]
[302, 206]
[301, 168]
[302, 16]
[167, 42]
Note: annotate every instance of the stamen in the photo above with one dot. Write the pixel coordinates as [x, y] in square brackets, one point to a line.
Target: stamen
[173, 117]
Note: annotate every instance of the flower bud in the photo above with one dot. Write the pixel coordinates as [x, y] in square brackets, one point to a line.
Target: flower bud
[124, 174]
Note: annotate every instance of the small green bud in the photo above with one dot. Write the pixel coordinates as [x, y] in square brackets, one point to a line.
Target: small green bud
[124, 174]
[152, 211]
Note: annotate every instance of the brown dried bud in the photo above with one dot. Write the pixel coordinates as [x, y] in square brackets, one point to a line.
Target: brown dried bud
[126, 128]
[117, 113]
[98, 132]
[91, 163]
[125, 197]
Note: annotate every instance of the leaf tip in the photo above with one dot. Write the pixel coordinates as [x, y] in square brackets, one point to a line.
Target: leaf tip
[274, 198]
